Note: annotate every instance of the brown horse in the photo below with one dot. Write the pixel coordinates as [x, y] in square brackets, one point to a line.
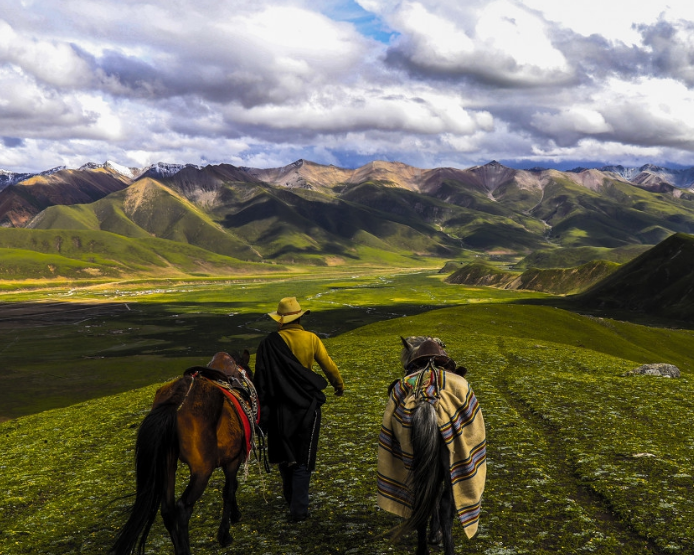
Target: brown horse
[191, 420]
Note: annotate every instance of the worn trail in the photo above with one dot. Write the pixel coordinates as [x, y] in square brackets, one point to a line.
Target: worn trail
[527, 451]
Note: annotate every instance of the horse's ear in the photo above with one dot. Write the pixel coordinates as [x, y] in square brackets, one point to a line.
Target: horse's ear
[245, 357]
[405, 344]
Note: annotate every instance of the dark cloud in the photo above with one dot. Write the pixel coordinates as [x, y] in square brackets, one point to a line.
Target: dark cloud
[670, 49]
[484, 69]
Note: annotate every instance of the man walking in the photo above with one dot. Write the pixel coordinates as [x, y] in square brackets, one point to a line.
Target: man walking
[291, 395]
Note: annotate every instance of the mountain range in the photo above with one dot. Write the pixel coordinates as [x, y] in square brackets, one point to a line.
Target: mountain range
[386, 213]
[645, 174]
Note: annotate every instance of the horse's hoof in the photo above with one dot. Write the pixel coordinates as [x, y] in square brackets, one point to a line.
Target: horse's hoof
[436, 538]
[225, 539]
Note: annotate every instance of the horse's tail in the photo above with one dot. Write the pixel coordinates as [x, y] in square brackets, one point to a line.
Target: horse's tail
[156, 453]
[427, 470]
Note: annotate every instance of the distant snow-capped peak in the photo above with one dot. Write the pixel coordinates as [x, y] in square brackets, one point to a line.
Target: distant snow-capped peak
[626, 173]
[130, 173]
[165, 169]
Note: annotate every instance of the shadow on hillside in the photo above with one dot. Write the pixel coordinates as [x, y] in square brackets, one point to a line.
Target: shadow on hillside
[171, 329]
[574, 303]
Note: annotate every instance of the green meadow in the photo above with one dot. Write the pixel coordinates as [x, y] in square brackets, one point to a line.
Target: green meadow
[581, 459]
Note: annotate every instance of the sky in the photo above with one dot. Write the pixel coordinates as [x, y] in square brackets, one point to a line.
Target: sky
[262, 83]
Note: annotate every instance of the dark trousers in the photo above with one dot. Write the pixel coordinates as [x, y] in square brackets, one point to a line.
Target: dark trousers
[295, 482]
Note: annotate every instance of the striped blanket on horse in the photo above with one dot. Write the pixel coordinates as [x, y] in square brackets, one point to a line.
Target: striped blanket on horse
[462, 428]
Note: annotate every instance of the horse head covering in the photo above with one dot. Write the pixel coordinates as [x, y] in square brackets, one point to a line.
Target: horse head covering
[287, 311]
[419, 351]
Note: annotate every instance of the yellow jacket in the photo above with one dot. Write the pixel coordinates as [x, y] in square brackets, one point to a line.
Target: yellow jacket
[307, 348]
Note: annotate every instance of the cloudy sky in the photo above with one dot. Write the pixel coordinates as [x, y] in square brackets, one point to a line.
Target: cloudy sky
[430, 83]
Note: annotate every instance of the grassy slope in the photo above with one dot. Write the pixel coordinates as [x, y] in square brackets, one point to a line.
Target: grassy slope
[308, 225]
[20, 263]
[480, 273]
[571, 257]
[563, 428]
[566, 281]
[657, 282]
[558, 281]
[620, 214]
[78, 253]
[148, 208]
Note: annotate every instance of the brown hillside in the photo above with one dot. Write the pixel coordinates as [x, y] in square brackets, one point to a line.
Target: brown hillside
[22, 201]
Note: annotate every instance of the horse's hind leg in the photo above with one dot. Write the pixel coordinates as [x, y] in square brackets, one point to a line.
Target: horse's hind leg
[435, 535]
[446, 514]
[168, 508]
[445, 509]
[231, 512]
[184, 507]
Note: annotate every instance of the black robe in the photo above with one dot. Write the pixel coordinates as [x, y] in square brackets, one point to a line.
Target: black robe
[290, 398]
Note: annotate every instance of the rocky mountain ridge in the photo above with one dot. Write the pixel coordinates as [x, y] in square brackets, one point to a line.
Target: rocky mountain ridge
[307, 174]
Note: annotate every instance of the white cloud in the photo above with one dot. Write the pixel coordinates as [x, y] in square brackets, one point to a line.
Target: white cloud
[519, 34]
[340, 111]
[576, 119]
[494, 41]
[609, 152]
[616, 20]
[51, 62]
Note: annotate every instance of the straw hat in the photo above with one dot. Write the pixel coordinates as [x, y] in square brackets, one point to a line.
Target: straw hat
[287, 311]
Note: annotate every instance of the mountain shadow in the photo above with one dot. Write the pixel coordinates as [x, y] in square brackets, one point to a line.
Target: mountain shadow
[660, 282]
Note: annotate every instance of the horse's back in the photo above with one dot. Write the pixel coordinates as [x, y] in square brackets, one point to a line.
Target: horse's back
[173, 392]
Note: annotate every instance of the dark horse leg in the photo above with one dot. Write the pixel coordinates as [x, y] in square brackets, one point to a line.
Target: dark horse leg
[168, 508]
[435, 535]
[447, 513]
[184, 508]
[446, 504]
[231, 512]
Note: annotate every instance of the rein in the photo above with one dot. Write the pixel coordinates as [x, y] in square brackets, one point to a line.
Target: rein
[192, 379]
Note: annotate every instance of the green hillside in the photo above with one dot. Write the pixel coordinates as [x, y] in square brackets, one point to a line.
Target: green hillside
[580, 458]
[22, 263]
[38, 253]
[481, 273]
[570, 257]
[145, 209]
[307, 225]
[618, 214]
[659, 282]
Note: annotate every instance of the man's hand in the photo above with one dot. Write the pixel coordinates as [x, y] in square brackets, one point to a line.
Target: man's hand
[339, 392]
